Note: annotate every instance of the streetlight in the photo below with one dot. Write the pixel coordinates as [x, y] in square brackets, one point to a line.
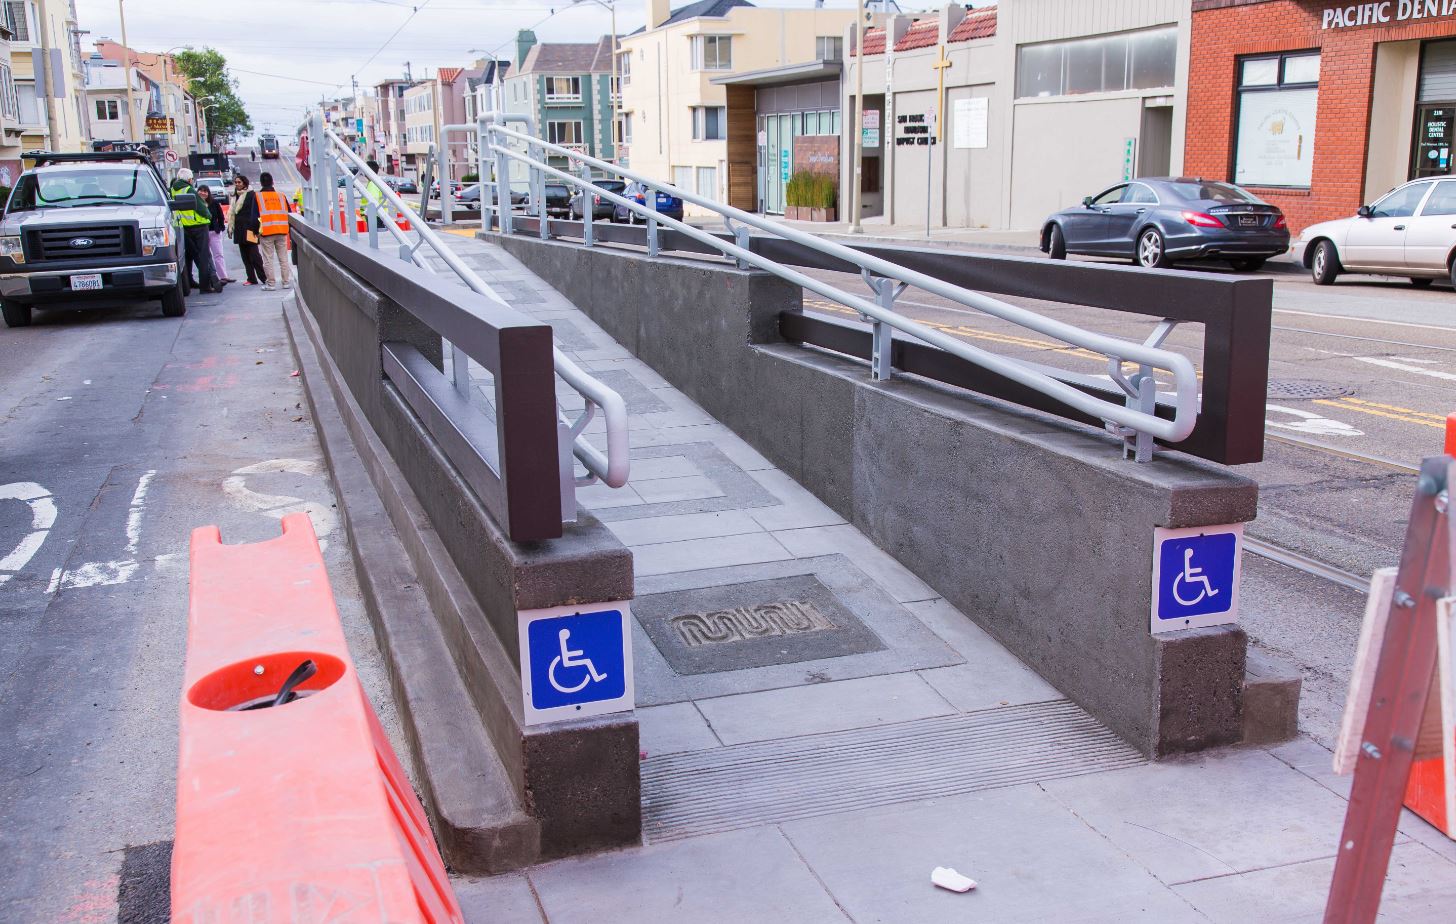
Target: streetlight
[198, 101]
[613, 89]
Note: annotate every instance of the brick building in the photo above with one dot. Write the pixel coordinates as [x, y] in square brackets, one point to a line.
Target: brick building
[1320, 106]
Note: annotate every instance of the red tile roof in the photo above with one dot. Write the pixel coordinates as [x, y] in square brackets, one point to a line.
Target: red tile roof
[922, 34]
[874, 41]
[448, 74]
[978, 24]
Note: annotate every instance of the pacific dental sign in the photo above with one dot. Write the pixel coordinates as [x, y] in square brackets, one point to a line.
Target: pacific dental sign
[1367, 14]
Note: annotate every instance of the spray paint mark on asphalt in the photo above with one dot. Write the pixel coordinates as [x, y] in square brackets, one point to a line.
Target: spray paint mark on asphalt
[42, 518]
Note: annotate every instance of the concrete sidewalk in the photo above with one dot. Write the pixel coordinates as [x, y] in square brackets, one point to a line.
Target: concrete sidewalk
[820, 730]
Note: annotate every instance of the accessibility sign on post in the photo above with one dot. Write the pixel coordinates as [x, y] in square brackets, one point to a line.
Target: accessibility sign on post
[576, 661]
[1196, 576]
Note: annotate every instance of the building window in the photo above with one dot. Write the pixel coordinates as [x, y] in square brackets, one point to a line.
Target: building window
[710, 123]
[829, 48]
[9, 101]
[1277, 97]
[624, 67]
[17, 18]
[712, 52]
[563, 132]
[624, 129]
[1102, 64]
[29, 108]
[563, 89]
[107, 110]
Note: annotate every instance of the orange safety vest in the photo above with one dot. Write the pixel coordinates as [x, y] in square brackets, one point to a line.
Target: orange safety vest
[272, 213]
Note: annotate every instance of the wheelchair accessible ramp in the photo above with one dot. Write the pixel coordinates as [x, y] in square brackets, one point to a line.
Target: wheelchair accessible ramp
[786, 667]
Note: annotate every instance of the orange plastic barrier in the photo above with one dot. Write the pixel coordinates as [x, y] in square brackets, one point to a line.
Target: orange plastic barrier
[300, 810]
[363, 225]
[1451, 434]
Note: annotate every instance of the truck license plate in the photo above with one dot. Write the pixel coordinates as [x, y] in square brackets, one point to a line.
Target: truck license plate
[88, 281]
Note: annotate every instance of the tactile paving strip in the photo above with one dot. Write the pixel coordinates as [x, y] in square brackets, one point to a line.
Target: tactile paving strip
[740, 786]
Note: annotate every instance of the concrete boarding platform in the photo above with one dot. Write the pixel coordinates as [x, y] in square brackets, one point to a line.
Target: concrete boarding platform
[803, 697]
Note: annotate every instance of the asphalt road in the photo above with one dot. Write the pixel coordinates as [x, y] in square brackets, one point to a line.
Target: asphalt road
[120, 432]
[1366, 367]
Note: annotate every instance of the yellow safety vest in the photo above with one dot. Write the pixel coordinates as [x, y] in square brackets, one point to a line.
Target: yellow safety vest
[189, 218]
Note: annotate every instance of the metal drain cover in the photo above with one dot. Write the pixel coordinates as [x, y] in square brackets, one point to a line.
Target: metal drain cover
[1307, 389]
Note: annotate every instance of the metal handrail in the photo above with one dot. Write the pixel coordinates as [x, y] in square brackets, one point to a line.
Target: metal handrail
[613, 467]
[1138, 417]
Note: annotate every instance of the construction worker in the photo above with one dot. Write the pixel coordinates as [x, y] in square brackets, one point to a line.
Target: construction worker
[372, 193]
[195, 223]
[273, 230]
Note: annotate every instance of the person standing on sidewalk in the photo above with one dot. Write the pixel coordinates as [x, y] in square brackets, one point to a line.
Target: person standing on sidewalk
[194, 223]
[215, 231]
[243, 229]
[273, 229]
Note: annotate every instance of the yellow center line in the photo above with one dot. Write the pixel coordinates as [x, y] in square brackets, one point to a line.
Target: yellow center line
[1337, 403]
[1392, 407]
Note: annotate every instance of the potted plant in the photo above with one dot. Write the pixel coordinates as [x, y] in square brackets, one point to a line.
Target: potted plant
[824, 197]
[798, 193]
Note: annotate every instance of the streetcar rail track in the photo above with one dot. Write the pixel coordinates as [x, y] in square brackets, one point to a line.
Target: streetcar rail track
[1291, 559]
[1343, 453]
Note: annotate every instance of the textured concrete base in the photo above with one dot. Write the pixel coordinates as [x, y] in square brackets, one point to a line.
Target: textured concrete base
[481, 824]
[1271, 699]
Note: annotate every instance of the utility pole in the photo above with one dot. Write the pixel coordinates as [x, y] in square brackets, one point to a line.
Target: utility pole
[45, 58]
[131, 101]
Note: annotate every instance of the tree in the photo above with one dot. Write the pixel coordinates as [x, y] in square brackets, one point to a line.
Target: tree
[207, 75]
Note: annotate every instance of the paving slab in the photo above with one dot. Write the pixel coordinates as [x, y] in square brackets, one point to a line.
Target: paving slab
[822, 707]
[674, 729]
[1419, 889]
[1230, 811]
[1032, 859]
[504, 899]
[732, 878]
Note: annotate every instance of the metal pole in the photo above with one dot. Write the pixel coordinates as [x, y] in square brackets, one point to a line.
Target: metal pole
[131, 102]
[857, 182]
[45, 62]
[929, 178]
[613, 88]
[481, 137]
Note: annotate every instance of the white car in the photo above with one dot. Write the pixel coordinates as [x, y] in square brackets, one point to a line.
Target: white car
[1410, 231]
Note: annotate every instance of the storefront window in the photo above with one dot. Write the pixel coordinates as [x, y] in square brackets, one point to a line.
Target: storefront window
[1277, 120]
[1101, 64]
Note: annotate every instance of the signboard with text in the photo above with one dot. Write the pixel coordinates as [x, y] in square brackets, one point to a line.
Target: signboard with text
[1345, 16]
[969, 122]
[159, 125]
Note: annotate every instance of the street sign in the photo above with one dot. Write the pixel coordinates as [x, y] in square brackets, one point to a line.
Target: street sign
[1196, 576]
[171, 156]
[576, 661]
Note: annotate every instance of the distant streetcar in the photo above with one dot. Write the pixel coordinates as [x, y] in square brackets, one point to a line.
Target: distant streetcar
[268, 146]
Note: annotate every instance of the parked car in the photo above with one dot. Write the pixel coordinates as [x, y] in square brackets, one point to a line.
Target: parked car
[469, 198]
[455, 187]
[601, 208]
[402, 185]
[1410, 231]
[667, 204]
[1158, 221]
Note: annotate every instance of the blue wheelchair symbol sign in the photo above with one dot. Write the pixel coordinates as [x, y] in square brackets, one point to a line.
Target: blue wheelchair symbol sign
[576, 663]
[1196, 577]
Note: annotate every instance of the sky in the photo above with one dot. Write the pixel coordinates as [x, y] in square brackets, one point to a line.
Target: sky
[287, 53]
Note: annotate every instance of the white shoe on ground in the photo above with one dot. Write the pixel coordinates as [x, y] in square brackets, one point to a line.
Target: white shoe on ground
[268, 287]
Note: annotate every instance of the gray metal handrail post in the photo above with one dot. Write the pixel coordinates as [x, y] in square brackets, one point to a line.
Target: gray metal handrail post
[538, 194]
[351, 210]
[504, 207]
[447, 198]
[649, 199]
[480, 174]
[588, 208]
[371, 217]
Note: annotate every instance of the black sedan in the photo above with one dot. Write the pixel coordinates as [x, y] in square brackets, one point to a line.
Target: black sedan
[601, 208]
[1157, 221]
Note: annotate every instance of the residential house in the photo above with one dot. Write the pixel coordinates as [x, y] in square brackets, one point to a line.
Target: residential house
[675, 124]
[11, 131]
[430, 105]
[168, 99]
[51, 116]
[481, 83]
[108, 104]
[565, 87]
[389, 123]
